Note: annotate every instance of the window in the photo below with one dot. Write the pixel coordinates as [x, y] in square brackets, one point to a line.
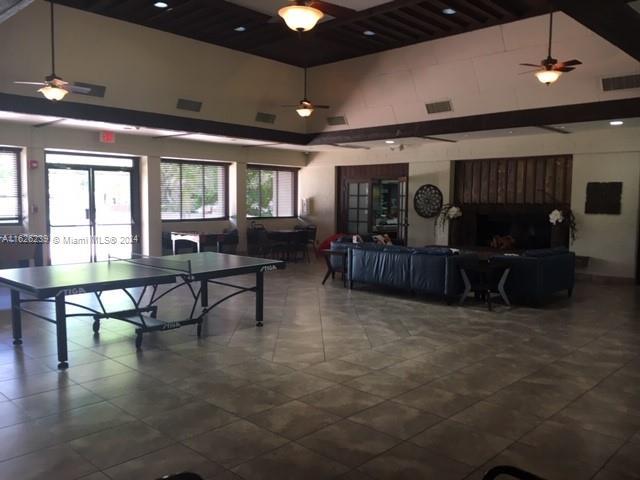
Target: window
[10, 198]
[271, 191]
[193, 190]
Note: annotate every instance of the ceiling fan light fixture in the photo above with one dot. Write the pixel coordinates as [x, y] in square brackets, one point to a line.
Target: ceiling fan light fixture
[300, 18]
[304, 111]
[548, 76]
[51, 92]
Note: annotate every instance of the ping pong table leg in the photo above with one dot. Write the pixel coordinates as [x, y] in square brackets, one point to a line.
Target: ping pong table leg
[16, 317]
[259, 298]
[61, 330]
[204, 293]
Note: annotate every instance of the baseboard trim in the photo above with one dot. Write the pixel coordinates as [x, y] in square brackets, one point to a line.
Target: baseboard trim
[604, 279]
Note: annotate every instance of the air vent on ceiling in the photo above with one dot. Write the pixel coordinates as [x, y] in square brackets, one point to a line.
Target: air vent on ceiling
[340, 120]
[265, 117]
[95, 90]
[439, 107]
[621, 83]
[190, 105]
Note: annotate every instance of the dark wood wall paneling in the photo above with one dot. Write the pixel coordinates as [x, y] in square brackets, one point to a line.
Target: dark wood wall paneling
[512, 186]
[514, 181]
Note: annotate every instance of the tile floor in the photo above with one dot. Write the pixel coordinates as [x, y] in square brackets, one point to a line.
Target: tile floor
[343, 384]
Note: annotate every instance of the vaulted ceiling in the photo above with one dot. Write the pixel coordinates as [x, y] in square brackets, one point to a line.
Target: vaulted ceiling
[340, 36]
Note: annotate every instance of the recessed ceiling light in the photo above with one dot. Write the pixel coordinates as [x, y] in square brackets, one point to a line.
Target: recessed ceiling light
[449, 11]
[161, 4]
[389, 142]
[369, 33]
[616, 123]
[240, 29]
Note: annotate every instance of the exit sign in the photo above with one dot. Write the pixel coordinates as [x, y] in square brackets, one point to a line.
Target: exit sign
[107, 137]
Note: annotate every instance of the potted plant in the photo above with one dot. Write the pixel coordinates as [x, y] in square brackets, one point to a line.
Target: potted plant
[565, 216]
[449, 211]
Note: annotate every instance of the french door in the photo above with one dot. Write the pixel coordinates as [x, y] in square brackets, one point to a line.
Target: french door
[91, 213]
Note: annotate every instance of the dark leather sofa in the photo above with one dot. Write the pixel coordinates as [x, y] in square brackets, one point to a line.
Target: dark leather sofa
[538, 274]
[425, 271]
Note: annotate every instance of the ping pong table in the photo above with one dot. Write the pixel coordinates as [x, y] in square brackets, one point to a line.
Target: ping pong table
[194, 271]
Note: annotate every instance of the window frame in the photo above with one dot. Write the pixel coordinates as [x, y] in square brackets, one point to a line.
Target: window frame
[19, 220]
[294, 193]
[225, 165]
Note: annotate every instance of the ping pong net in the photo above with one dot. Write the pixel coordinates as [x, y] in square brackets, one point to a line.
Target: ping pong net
[160, 263]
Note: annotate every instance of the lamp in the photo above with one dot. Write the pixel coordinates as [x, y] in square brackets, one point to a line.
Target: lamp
[51, 92]
[304, 111]
[300, 18]
[548, 76]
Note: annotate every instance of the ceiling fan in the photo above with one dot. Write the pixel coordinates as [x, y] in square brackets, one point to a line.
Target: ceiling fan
[54, 87]
[305, 108]
[551, 69]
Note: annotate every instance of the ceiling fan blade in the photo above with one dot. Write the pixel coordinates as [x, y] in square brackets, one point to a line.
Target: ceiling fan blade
[529, 71]
[564, 69]
[31, 83]
[76, 89]
[321, 106]
[570, 63]
[531, 65]
[289, 106]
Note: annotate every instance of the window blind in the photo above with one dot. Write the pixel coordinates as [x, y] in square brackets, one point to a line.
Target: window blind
[192, 190]
[271, 192]
[10, 201]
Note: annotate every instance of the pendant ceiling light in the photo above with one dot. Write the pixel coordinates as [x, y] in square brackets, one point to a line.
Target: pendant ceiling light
[300, 17]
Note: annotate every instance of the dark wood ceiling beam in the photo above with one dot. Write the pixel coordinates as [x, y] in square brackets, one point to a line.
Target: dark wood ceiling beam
[365, 14]
[380, 28]
[613, 20]
[261, 36]
[206, 27]
[418, 23]
[379, 38]
[414, 31]
[461, 12]
[434, 14]
[127, 8]
[562, 114]
[336, 11]
[163, 14]
[497, 10]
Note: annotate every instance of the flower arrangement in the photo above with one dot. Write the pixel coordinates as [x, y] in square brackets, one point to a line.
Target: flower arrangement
[448, 212]
[558, 216]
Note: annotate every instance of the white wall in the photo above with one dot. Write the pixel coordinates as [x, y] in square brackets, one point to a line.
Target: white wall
[610, 240]
[34, 141]
[599, 155]
[478, 71]
[145, 69]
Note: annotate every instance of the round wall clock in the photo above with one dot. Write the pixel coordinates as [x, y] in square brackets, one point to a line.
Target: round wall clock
[428, 201]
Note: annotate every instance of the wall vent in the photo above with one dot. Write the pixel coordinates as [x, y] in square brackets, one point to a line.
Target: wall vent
[190, 105]
[621, 83]
[96, 90]
[340, 120]
[439, 107]
[265, 117]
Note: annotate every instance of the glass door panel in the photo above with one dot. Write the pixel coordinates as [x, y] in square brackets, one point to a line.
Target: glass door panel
[358, 214]
[69, 215]
[113, 217]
